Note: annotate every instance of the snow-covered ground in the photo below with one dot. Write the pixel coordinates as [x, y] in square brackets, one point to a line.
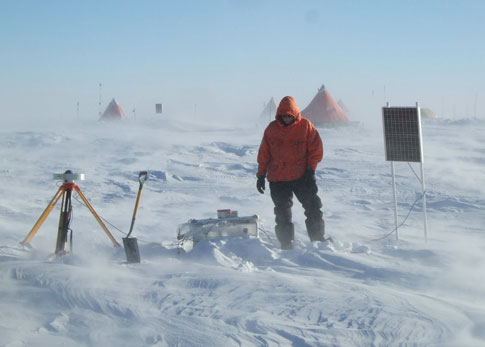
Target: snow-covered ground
[355, 291]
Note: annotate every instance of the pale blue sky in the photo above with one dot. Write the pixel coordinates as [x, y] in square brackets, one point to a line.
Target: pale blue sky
[226, 58]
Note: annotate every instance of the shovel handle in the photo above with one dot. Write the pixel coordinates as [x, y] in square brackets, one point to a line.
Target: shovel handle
[142, 177]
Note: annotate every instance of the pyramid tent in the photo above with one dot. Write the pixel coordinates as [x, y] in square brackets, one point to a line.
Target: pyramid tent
[324, 109]
[269, 111]
[113, 111]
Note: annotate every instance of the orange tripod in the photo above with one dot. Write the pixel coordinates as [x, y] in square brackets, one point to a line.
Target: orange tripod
[65, 191]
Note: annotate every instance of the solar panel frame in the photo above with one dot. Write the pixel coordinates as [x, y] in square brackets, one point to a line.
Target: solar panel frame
[402, 134]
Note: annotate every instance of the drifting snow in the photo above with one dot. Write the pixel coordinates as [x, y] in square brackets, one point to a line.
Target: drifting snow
[243, 291]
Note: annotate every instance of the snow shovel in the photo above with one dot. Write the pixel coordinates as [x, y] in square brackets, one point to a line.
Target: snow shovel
[130, 243]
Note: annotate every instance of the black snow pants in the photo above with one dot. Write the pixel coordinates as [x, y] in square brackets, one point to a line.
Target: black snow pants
[305, 191]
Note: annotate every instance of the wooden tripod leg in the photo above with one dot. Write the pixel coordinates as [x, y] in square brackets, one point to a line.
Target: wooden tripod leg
[44, 216]
[88, 205]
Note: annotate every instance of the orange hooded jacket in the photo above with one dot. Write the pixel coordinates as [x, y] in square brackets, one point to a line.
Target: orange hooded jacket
[286, 152]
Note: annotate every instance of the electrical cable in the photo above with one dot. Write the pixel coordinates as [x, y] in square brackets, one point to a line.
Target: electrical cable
[71, 216]
[115, 227]
[259, 228]
[402, 223]
[179, 242]
[414, 172]
[264, 232]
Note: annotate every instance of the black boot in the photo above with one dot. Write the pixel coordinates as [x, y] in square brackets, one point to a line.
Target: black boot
[316, 230]
[285, 234]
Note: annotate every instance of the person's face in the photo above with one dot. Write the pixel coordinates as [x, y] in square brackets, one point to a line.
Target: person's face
[287, 118]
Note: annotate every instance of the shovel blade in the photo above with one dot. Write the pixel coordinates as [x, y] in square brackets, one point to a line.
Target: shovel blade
[131, 249]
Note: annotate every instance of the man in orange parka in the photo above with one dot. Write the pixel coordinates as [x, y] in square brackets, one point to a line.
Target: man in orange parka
[288, 157]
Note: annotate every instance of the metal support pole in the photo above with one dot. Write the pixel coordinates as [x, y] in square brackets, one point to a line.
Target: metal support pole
[395, 199]
[425, 215]
[64, 221]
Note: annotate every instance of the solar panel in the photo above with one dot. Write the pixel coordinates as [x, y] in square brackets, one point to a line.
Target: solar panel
[402, 133]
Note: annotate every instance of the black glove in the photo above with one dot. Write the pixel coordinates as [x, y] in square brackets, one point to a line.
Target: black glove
[309, 176]
[261, 184]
